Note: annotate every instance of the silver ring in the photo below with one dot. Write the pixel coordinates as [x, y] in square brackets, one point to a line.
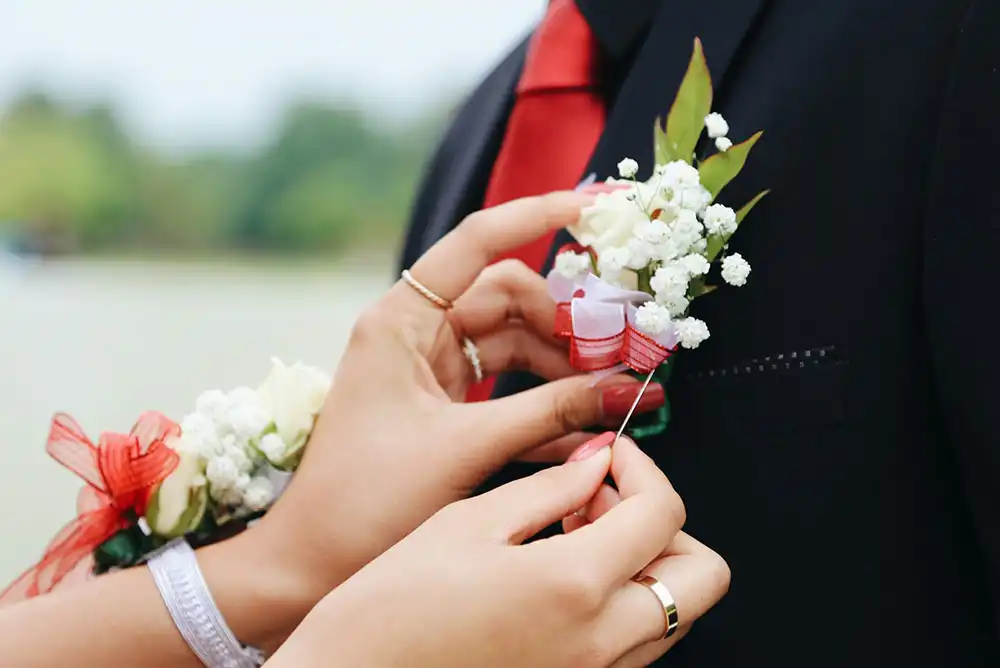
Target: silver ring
[425, 292]
[471, 352]
[666, 602]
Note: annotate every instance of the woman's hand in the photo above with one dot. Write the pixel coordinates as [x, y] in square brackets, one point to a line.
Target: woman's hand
[394, 442]
[462, 591]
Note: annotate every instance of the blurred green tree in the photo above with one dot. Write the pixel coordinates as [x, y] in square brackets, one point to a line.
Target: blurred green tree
[330, 180]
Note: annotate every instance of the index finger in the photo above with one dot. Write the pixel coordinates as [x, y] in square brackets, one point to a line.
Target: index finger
[451, 265]
[638, 529]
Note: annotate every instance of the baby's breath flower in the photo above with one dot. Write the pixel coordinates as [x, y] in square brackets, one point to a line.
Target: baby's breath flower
[670, 282]
[652, 318]
[628, 168]
[716, 125]
[259, 494]
[571, 265]
[691, 332]
[723, 143]
[720, 219]
[735, 270]
[221, 473]
[694, 264]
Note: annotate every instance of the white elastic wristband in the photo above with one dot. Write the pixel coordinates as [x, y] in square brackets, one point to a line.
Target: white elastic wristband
[191, 606]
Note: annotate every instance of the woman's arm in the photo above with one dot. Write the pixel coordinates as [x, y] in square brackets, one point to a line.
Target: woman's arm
[120, 620]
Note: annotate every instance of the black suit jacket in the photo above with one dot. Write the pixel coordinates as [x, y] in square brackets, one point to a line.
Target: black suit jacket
[836, 438]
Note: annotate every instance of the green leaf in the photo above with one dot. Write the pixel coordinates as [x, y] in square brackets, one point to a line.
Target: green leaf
[717, 242]
[719, 169]
[686, 119]
[742, 213]
[661, 148]
[122, 550]
[697, 288]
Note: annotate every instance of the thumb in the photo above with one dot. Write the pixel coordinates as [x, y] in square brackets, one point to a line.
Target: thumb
[520, 509]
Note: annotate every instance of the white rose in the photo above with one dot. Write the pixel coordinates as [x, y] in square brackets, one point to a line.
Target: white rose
[293, 395]
[179, 503]
[273, 448]
[716, 125]
[610, 221]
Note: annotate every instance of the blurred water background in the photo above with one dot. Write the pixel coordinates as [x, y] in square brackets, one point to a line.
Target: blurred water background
[187, 189]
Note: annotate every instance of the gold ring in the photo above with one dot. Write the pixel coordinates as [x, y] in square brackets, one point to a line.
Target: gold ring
[425, 292]
[471, 351]
[666, 601]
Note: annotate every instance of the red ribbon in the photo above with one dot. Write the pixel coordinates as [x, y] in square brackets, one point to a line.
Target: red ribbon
[121, 472]
[629, 347]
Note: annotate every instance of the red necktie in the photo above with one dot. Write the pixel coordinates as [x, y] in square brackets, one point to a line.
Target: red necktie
[558, 117]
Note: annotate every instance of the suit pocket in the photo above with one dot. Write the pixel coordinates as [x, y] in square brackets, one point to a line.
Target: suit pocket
[781, 392]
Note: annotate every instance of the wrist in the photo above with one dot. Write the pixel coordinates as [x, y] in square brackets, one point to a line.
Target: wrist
[262, 596]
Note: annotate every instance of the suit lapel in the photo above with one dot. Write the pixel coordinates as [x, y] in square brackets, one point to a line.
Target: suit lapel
[659, 67]
[477, 132]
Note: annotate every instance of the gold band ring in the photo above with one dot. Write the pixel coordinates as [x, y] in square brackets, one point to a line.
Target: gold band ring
[425, 292]
[666, 602]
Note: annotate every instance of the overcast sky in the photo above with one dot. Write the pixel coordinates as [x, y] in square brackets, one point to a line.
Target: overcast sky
[189, 72]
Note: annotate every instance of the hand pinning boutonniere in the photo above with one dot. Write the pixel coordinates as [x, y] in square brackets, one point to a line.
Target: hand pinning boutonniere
[645, 249]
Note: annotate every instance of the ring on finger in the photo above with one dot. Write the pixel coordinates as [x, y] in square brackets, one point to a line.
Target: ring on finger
[426, 292]
[666, 600]
[471, 352]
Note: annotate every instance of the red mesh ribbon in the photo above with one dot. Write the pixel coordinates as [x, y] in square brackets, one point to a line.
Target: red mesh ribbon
[563, 327]
[629, 347]
[640, 352]
[120, 471]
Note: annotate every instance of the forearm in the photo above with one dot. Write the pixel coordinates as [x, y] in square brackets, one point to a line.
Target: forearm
[119, 619]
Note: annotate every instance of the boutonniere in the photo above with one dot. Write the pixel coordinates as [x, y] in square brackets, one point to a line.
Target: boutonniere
[646, 249]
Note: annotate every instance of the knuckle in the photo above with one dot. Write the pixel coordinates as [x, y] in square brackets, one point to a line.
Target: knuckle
[575, 409]
[367, 325]
[579, 589]
[678, 511]
[670, 505]
[719, 573]
[453, 514]
[510, 270]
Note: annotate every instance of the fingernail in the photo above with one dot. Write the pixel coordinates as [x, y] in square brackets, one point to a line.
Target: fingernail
[617, 399]
[592, 447]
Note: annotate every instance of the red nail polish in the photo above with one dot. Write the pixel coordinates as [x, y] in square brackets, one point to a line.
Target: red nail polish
[592, 447]
[617, 399]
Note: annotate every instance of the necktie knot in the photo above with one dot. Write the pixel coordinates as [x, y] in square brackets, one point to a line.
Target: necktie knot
[562, 53]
